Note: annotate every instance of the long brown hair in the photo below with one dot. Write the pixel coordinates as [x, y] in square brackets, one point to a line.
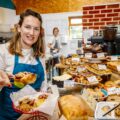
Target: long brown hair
[15, 45]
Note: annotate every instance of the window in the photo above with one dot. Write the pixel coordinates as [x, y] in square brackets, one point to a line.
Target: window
[75, 27]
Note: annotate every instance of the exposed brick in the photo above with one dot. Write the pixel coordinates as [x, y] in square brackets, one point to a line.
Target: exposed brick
[94, 12]
[117, 10]
[88, 8]
[85, 12]
[106, 11]
[84, 20]
[102, 27]
[113, 6]
[106, 19]
[97, 17]
[93, 20]
[88, 16]
[84, 27]
[100, 7]
[113, 23]
[87, 24]
[99, 23]
[116, 18]
[94, 27]
[100, 15]
[112, 15]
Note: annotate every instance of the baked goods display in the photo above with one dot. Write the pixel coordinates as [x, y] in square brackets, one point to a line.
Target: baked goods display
[23, 78]
[74, 108]
[114, 66]
[97, 93]
[97, 69]
[113, 98]
[59, 80]
[109, 84]
[75, 70]
[98, 80]
[83, 78]
[28, 104]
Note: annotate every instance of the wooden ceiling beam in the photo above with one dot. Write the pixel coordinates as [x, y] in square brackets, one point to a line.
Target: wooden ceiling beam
[56, 6]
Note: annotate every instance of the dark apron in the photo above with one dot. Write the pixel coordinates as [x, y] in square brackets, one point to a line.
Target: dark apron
[55, 47]
[6, 110]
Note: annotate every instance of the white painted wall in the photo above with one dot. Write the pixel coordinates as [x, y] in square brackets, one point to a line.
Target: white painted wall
[8, 18]
[59, 20]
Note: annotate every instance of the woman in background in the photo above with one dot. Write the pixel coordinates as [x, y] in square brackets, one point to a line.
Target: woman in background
[55, 45]
[22, 54]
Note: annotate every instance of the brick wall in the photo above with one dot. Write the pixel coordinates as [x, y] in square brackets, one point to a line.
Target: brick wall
[97, 17]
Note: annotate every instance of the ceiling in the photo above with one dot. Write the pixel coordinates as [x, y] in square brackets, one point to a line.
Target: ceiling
[57, 6]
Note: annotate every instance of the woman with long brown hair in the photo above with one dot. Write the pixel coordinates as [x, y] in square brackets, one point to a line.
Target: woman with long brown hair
[23, 53]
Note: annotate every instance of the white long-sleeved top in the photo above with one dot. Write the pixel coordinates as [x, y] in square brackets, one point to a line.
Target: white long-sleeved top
[53, 39]
[7, 60]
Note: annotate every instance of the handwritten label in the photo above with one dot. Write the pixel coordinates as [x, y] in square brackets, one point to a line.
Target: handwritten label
[76, 59]
[100, 55]
[114, 58]
[80, 69]
[68, 83]
[118, 91]
[102, 67]
[92, 79]
[112, 90]
[88, 55]
[118, 67]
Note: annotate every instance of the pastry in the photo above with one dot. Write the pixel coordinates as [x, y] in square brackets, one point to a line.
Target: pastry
[27, 104]
[74, 108]
[23, 78]
[106, 109]
[117, 111]
[109, 84]
[113, 98]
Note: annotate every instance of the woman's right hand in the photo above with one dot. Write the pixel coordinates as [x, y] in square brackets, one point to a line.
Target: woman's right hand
[4, 80]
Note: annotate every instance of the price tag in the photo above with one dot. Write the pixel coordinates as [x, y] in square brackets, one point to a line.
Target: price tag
[112, 90]
[88, 55]
[68, 83]
[100, 55]
[102, 67]
[118, 91]
[92, 79]
[75, 59]
[114, 58]
[118, 67]
[80, 69]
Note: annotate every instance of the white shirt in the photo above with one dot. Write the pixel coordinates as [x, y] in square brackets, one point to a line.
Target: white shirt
[7, 60]
[53, 39]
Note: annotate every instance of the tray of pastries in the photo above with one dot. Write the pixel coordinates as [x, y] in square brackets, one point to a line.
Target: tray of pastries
[99, 69]
[99, 94]
[87, 79]
[28, 104]
[114, 66]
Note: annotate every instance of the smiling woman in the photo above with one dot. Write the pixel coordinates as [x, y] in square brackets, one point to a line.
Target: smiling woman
[22, 54]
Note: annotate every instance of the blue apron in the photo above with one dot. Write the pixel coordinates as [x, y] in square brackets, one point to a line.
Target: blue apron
[6, 110]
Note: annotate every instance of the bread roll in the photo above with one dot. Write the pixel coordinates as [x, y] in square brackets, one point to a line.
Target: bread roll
[74, 108]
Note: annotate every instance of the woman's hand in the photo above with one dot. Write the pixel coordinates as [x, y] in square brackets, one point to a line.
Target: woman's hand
[49, 45]
[4, 80]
